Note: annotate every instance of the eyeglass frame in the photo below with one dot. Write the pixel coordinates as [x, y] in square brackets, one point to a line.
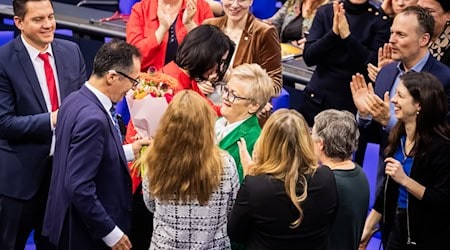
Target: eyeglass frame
[134, 82]
[225, 90]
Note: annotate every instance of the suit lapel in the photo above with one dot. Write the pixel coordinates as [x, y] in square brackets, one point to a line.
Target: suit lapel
[238, 132]
[86, 92]
[245, 42]
[61, 66]
[30, 73]
[386, 83]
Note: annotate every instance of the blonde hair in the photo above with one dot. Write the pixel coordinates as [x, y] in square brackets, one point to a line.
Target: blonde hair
[285, 151]
[184, 163]
[259, 85]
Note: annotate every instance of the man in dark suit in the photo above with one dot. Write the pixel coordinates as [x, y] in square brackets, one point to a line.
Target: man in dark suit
[36, 73]
[411, 33]
[90, 198]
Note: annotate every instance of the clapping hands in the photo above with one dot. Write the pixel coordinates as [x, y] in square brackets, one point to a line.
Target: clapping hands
[340, 23]
[188, 15]
[367, 102]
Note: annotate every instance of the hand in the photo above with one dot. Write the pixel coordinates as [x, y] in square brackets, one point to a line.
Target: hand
[301, 43]
[385, 55]
[54, 117]
[189, 12]
[335, 27]
[246, 160]
[163, 14]
[386, 6]
[265, 112]
[138, 144]
[359, 90]
[206, 87]
[394, 169]
[379, 109]
[365, 238]
[373, 71]
[344, 29]
[123, 244]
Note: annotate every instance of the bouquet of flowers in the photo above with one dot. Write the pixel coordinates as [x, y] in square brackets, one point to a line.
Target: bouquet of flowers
[147, 103]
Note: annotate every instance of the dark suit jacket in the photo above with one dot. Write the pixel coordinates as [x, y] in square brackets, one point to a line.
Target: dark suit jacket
[90, 189]
[384, 82]
[25, 132]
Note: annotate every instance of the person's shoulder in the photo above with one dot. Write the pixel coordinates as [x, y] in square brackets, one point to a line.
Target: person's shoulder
[64, 44]
[7, 49]
[378, 14]
[214, 20]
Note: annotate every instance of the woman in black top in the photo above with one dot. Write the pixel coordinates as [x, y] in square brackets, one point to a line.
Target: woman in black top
[415, 204]
[286, 201]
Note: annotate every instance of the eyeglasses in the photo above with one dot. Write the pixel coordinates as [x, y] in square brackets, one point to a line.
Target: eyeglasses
[135, 82]
[231, 97]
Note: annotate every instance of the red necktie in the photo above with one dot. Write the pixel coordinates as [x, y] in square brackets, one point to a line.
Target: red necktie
[51, 84]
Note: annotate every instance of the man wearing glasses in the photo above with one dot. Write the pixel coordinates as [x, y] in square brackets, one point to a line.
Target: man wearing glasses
[90, 199]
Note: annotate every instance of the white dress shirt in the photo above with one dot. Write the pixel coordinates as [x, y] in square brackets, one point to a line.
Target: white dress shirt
[38, 66]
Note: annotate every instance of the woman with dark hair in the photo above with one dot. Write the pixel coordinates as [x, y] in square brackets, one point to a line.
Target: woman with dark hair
[190, 184]
[286, 201]
[416, 199]
[204, 55]
[256, 41]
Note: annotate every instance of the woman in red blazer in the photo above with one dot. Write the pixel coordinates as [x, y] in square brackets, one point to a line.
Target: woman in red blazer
[157, 27]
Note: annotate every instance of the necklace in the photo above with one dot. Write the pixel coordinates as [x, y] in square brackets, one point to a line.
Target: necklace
[406, 148]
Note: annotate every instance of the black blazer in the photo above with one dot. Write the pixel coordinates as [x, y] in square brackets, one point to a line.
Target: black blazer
[263, 213]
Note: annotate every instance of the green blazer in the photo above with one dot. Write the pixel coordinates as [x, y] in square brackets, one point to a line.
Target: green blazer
[250, 131]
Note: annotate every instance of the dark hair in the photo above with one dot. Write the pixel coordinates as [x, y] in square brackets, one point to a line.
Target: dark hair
[428, 91]
[115, 55]
[445, 4]
[20, 8]
[425, 19]
[202, 49]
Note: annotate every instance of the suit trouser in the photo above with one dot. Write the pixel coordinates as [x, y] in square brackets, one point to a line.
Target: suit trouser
[19, 217]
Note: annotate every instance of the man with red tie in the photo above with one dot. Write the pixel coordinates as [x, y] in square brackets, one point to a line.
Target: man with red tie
[36, 73]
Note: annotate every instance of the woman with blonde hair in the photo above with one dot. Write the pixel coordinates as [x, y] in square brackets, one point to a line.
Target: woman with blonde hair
[190, 184]
[246, 93]
[287, 201]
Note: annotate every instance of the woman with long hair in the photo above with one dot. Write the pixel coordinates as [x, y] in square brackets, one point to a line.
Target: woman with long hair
[286, 201]
[413, 209]
[190, 184]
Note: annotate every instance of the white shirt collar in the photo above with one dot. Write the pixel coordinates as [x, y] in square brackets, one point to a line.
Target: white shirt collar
[33, 52]
[104, 100]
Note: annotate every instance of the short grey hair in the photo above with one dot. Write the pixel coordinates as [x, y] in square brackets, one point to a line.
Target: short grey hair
[259, 85]
[339, 132]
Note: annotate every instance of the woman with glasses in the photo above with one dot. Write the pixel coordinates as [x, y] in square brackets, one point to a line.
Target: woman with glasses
[157, 27]
[246, 93]
[286, 200]
[256, 41]
[414, 207]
